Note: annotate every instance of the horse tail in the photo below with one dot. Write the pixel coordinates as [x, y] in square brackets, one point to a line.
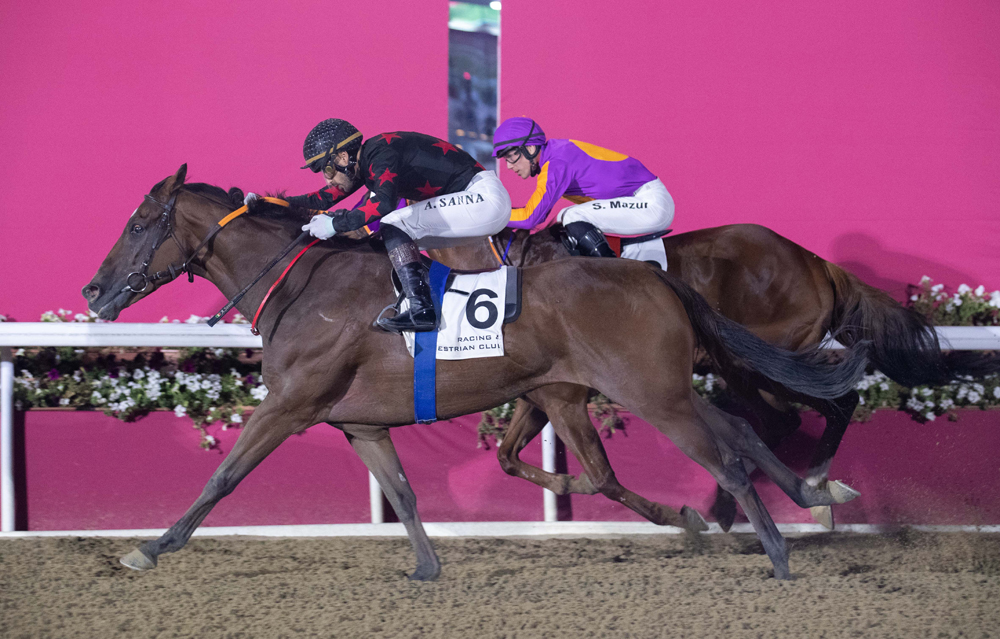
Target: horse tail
[738, 351]
[905, 345]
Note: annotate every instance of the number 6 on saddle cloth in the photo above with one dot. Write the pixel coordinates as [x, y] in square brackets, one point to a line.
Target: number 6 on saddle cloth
[468, 306]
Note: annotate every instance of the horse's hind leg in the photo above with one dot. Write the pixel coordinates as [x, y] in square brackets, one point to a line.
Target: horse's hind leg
[691, 433]
[738, 434]
[527, 422]
[838, 415]
[566, 405]
[269, 425]
[375, 449]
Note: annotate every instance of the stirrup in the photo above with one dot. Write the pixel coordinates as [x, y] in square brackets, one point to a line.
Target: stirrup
[387, 323]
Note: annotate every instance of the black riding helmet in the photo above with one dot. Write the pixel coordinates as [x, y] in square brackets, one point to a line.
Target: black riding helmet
[326, 140]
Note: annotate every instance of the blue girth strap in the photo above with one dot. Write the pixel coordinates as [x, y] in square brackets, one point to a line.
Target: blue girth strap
[425, 354]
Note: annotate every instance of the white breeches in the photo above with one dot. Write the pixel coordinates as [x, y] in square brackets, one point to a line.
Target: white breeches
[481, 210]
[648, 210]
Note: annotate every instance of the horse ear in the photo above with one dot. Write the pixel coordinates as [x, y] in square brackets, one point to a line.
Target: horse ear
[175, 181]
[179, 176]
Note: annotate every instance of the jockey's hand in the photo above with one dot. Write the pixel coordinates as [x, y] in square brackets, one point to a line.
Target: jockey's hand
[253, 201]
[320, 226]
[358, 234]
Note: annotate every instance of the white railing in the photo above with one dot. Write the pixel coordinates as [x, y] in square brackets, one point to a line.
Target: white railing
[82, 335]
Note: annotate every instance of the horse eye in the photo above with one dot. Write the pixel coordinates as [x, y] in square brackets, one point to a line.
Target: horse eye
[137, 229]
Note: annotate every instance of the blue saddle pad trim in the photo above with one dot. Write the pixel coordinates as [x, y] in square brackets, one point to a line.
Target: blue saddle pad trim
[425, 354]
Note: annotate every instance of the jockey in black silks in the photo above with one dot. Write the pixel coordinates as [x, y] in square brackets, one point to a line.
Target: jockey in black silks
[454, 201]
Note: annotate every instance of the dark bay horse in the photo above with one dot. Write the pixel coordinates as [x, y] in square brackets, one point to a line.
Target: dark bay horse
[323, 362]
[784, 294]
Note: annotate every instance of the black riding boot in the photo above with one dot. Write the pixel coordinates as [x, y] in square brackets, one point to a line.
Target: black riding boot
[420, 316]
[589, 239]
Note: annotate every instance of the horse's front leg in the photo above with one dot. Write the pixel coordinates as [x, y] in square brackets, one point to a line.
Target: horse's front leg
[269, 425]
[527, 422]
[374, 447]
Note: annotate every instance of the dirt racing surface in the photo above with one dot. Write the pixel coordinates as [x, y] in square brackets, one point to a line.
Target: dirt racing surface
[902, 585]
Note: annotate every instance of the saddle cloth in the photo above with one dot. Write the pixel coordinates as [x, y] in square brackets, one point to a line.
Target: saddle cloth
[474, 309]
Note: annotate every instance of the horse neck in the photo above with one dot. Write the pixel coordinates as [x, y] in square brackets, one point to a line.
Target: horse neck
[237, 253]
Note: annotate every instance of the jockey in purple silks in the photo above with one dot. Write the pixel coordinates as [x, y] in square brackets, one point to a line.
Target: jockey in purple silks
[613, 193]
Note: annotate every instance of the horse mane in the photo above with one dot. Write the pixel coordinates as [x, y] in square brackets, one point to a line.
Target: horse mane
[292, 215]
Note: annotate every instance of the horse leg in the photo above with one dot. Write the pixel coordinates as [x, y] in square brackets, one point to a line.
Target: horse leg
[685, 426]
[374, 447]
[838, 415]
[566, 405]
[768, 421]
[269, 425]
[527, 422]
[738, 434]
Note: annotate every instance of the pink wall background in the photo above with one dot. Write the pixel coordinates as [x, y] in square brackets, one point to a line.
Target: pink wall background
[84, 470]
[864, 131]
[102, 100]
[867, 132]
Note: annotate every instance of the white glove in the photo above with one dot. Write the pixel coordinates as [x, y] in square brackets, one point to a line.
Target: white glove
[320, 226]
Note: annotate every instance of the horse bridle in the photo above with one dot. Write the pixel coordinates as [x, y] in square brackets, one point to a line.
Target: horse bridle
[166, 222]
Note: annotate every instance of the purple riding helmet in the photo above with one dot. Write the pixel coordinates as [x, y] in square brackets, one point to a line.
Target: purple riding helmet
[518, 133]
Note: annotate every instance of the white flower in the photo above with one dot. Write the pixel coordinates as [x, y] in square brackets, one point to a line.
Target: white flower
[946, 404]
[259, 393]
[164, 320]
[937, 287]
[974, 397]
[929, 416]
[914, 298]
[19, 352]
[995, 299]
[218, 352]
[194, 319]
[925, 279]
[996, 392]
[980, 290]
[861, 400]
[884, 386]
[957, 301]
[210, 440]
[926, 392]
[180, 411]
[64, 401]
[964, 288]
[236, 418]
[138, 374]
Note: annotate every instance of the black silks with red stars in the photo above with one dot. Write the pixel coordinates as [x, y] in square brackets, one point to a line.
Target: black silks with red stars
[398, 165]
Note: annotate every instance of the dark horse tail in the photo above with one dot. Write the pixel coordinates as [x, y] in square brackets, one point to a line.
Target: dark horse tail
[738, 351]
[904, 344]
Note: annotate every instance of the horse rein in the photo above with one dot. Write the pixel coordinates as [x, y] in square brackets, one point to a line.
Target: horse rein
[166, 222]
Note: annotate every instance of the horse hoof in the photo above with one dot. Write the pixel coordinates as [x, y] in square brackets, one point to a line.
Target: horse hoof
[841, 492]
[823, 515]
[725, 514]
[694, 521]
[425, 573]
[138, 560]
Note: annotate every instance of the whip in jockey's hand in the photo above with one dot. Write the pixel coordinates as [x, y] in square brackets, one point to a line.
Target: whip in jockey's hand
[613, 193]
[454, 201]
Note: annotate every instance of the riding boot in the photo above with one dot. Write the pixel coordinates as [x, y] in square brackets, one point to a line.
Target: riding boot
[589, 239]
[420, 316]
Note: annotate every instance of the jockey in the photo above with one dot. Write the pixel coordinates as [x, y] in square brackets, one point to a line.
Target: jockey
[613, 193]
[454, 200]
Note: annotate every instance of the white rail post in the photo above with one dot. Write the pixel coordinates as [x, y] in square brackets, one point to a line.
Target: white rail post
[375, 497]
[550, 508]
[7, 439]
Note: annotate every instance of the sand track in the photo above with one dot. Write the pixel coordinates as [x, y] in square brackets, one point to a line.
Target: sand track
[903, 585]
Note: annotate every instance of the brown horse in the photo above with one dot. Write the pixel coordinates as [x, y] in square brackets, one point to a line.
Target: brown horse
[784, 294]
[324, 363]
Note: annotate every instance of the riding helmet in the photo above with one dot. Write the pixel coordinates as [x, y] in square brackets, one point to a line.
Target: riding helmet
[517, 132]
[327, 139]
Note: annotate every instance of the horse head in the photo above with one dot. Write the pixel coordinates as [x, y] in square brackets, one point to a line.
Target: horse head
[136, 266]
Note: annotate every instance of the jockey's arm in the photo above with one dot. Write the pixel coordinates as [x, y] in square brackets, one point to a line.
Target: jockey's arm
[320, 200]
[553, 179]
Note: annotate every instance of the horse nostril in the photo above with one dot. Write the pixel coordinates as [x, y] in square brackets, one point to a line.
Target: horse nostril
[91, 292]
